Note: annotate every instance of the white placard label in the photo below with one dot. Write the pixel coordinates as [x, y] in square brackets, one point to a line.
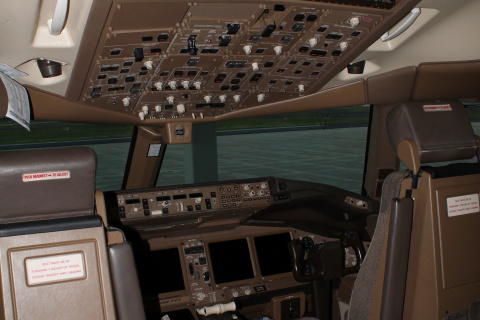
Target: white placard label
[52, 175]
[457, 206]
[437, 107]
[154, 150]
[55, 268]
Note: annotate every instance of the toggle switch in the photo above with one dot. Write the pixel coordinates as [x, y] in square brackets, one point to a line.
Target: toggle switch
[148, 64]
[181, 108]
[247, 49]
[186, 84]
[173, 84]
[126, 101]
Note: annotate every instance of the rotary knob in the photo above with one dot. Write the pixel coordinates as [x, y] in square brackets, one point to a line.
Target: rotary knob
[247, 49]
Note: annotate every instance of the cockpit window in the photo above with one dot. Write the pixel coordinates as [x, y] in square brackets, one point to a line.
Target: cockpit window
[473, 111]
[326, 146]
[110, 142]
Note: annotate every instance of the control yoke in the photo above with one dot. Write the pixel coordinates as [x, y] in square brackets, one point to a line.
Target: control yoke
[324, 261]
[323, 267]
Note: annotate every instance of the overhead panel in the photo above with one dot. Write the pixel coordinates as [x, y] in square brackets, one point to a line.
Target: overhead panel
[163, 61]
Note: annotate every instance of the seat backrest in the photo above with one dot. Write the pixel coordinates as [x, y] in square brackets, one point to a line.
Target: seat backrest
[427, 263]
[53, 256]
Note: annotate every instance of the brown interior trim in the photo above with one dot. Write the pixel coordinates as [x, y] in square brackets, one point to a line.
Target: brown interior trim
[447, 81]
[47, 106]
[391, 87]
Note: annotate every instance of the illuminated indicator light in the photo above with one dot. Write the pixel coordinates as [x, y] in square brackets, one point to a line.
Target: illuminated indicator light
[318, 53]
[303, 49]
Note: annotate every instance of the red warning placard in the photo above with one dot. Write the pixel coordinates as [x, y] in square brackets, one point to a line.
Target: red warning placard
[457, 206]
[437, 107]
[55, 268]
[52, 175]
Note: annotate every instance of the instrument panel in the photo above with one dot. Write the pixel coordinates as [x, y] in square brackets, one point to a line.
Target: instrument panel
[188, 200]
[243, 264]
[163, 61]
[229, 241]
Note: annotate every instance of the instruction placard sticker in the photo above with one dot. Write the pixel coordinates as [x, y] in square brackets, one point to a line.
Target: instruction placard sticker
[52, 175]
[457, 206]
[437, 107]
[55, 268]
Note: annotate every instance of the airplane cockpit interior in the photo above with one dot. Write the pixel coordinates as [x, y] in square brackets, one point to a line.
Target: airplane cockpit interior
[250, 160]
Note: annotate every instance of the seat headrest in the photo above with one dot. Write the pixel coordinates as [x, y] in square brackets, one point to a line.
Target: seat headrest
[46, 184]
[431, 132]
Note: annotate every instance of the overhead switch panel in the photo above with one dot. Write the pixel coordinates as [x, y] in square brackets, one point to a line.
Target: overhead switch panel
[202, 60]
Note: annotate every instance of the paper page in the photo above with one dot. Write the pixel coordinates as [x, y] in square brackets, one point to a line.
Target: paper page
[11, 72]
[18, 104]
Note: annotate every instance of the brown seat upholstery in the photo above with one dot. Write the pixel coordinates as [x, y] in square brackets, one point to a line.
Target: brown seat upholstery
[425, 257]
[53, 255]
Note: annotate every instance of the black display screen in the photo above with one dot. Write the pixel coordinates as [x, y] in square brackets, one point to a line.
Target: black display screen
[273, 255]
[230, 261]
[160, 271]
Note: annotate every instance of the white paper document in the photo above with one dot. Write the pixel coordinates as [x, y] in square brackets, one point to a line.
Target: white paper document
[18, 104]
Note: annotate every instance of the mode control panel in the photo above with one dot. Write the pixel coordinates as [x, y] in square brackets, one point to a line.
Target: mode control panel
[163, 202]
